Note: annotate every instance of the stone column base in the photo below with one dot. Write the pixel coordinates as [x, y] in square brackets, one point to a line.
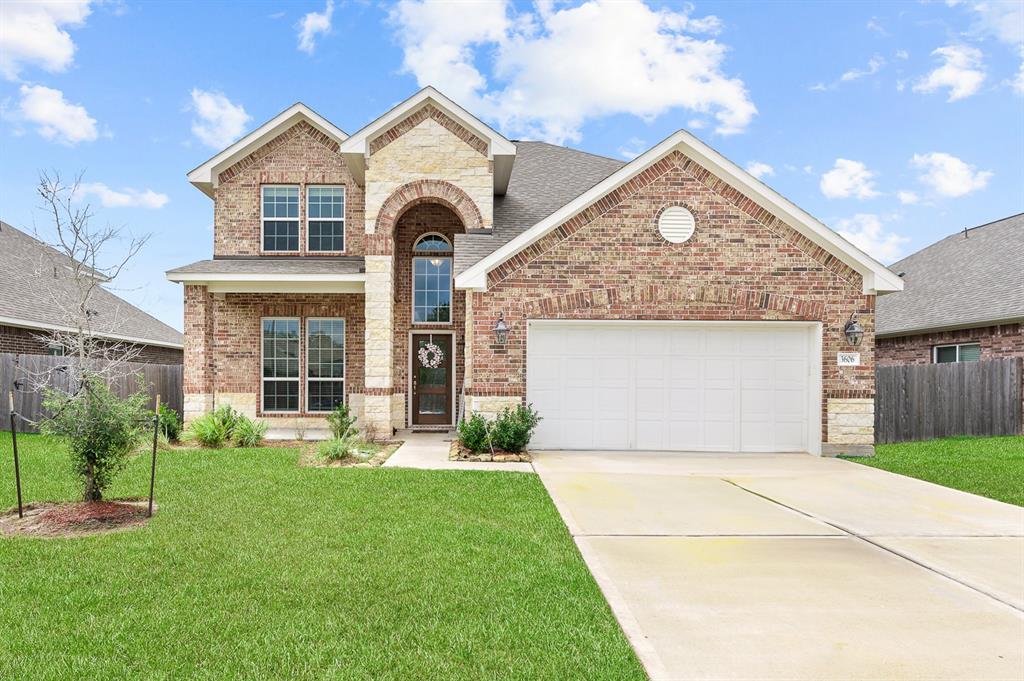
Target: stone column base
[195, 405]
[382, 414]
[490, 405]
[829, 449]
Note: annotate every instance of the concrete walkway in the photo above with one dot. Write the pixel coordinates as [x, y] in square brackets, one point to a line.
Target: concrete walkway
[430, 451]
[795, 567]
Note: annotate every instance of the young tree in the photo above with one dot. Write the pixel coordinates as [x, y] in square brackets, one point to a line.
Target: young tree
[100, 428]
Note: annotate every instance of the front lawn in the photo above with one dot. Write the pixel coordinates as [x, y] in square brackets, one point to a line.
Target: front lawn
[990, 466]
[255, 567]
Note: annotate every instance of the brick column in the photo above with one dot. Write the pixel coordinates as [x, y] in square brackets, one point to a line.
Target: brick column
[198, 383]
[379, 383]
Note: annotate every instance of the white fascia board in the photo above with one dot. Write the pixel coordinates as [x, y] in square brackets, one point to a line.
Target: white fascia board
[192, 277]
[876, 277]
[356, 149]
[26, 324]
[204, 176]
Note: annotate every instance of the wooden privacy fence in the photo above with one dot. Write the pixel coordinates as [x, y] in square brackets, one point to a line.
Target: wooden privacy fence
[925, 401]
[160, 379]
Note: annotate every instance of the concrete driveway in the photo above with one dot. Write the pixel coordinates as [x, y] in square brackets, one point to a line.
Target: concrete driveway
[789, 566]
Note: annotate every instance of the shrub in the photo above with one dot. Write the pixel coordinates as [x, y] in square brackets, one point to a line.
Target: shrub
[209, 431]
[248, 433]
[99, 428]
[228, 419]
[473, 433]
[514, 427]
[342, 423]
[337, 449]
[169, 423]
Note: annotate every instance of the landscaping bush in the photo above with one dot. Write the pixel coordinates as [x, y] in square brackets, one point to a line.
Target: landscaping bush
[337, 449]
[209, 431]
[248, 433]
[228, 419]
[514, 427]
[342, 423]
[473, 433]
[99, 428]
[169, 423]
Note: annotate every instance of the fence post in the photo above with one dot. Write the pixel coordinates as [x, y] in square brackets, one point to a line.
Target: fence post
[152, 467]
[14, 445]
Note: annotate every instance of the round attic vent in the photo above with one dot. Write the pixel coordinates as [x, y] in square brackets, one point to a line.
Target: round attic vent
[676, 224]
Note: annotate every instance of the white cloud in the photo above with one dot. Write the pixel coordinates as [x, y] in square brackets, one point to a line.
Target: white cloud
[33, 33]
[875, 26]
[848, 178]
[759, 169]
[218, 121]
[902, 54]
[866, 232]
[633, 148]
[614, 57]
[962, 72]
[1002, 19]
[875, 64]
[907, 197]
[948, 175]
[125, 198]
[695, 124]
[1018, 82]
[56, 118]
[312, 25]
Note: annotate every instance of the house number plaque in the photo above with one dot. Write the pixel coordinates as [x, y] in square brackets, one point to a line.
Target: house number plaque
[848, 359]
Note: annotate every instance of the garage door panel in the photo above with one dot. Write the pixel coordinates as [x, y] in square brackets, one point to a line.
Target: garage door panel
[686, 387]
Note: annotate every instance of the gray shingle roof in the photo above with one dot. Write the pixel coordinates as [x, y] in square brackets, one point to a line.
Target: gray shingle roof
[275, 265]
[35, 283]
[967, 279]
[545, 177]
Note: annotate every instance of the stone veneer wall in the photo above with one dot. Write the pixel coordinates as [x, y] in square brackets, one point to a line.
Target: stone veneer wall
[1006, 340]
[302, 156]
[16, 339]
[610, 262]
[224, 358]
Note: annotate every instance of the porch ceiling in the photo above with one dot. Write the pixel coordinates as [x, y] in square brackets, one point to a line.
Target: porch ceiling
[275, 274]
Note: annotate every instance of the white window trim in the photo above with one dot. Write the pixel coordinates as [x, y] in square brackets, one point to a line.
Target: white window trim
[451, 292]
[344, 224]
[344, 364]
[935, 351]
[264, 379]
[263, 218]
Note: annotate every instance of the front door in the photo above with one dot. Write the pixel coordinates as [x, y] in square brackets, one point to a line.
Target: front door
[431, 379]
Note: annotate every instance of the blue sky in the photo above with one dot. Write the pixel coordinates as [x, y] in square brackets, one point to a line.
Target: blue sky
[895, 123]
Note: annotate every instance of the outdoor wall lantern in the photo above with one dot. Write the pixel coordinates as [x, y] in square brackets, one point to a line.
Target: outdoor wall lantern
[854, 331]
[501, 329]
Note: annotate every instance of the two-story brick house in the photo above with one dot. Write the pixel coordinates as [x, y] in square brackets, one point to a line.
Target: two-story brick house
[426, 265]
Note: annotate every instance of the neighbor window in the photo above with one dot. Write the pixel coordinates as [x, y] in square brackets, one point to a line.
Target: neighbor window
[280, 365]
[325, 364]
[325, 218]
[280, 218]
[432, 280]
[964, 352]
[55, 350]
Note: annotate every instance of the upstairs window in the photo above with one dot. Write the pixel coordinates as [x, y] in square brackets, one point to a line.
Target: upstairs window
[325, 218]
[964, 352]
[432, 280]
[280, 218]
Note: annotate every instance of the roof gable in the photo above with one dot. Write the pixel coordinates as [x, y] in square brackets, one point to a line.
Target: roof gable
[875, 276]
[206, 176]
[360, 145]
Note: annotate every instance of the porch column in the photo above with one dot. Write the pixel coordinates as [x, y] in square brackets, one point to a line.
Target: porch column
[380, 299]
[198, 360]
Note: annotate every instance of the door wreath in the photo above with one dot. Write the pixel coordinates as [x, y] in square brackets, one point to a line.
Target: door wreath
[431, 356]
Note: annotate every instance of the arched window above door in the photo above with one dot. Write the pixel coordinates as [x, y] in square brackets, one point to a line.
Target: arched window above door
[432, 242]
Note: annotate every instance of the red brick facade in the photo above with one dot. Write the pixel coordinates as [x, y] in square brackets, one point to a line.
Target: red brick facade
[301, 156]
[1006, 340]
[611, 263]
[26, 342]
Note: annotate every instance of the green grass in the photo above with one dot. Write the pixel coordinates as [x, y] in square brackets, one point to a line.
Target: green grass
[990, 466]
[254, 567]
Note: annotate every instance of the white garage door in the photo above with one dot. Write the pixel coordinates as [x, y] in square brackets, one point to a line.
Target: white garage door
[675, 386]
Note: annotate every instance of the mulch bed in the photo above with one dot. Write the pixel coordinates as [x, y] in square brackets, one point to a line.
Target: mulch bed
[74, 519]
[460, 453]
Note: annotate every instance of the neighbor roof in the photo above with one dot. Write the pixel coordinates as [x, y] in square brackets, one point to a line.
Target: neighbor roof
[34, 278]
[971, 278]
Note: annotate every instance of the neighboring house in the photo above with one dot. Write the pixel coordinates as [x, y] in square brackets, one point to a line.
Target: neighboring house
[36, 286]
[964, 299]
[426, 266]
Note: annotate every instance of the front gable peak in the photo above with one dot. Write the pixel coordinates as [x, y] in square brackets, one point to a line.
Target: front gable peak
[429, 103]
